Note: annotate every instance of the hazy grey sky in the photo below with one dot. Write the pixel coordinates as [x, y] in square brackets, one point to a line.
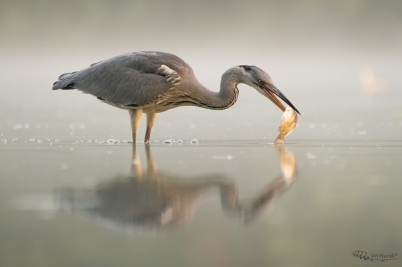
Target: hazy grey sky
[194, 25]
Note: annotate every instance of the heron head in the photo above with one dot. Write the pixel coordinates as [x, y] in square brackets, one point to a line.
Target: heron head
[260, 80]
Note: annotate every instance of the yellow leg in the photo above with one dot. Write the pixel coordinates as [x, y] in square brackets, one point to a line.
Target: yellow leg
[135, 117]
[150, 122]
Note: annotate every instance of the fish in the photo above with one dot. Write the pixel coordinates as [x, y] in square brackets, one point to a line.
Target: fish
[288, 124]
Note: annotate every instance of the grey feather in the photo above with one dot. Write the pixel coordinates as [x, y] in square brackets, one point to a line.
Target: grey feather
[132, 79]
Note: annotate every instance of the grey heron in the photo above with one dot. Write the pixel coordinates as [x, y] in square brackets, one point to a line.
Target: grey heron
[151, 82]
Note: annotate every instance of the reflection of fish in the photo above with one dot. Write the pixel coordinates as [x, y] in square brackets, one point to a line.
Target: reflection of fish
[288, 124]
[288, 164]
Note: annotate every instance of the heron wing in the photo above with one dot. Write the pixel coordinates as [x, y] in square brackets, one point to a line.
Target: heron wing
[133, 79]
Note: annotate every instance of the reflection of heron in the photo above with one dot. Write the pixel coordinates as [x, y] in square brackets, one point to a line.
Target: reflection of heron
[153, 200]
[153, 82]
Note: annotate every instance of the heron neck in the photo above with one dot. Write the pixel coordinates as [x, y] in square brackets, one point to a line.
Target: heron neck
[223, 99]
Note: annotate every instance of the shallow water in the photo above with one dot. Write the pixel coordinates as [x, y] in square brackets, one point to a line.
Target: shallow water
[215, 203]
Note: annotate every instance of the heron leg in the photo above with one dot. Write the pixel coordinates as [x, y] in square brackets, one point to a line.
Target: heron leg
[135, 117]
[150, 122]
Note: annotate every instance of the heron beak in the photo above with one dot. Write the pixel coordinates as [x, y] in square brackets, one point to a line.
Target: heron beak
[272, 92]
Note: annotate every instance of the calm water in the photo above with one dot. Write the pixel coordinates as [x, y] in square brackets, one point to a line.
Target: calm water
[227, 203]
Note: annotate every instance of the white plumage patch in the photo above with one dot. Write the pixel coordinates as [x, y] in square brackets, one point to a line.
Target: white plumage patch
[166, 70]
[172, 75]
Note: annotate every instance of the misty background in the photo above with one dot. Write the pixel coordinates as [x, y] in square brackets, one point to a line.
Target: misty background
[338, 62]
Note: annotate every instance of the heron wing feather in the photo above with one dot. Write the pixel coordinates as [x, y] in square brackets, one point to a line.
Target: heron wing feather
[135, 79]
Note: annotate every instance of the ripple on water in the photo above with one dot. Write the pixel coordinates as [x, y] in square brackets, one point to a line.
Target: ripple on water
[167, 141]
[112, 141]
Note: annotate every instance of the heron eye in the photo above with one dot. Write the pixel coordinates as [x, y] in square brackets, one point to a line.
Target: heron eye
[260, 82]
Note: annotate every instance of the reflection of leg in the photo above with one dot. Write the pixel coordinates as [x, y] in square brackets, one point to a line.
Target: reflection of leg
[136, 169]
[150, 123]
[135, 117]
[151, 165]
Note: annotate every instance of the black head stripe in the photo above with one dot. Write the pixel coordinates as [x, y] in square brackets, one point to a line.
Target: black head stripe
[245, 67]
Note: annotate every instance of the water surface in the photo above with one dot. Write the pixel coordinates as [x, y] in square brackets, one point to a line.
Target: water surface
[233, 203]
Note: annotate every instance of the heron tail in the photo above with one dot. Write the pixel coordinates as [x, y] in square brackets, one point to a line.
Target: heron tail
[65, 82]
